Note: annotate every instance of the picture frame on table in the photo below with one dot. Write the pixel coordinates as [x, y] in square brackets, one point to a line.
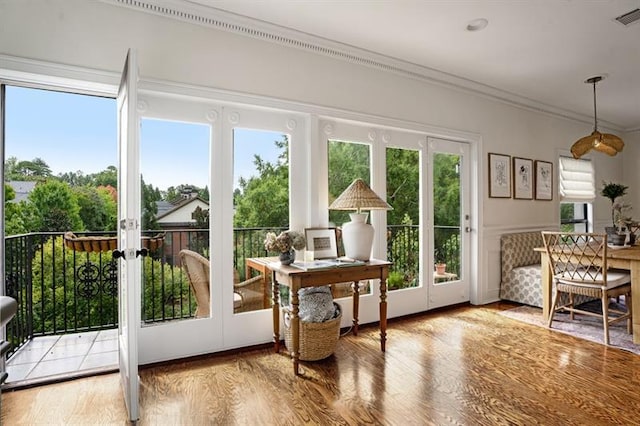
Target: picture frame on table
[499, 176]
[544, 180]
[523, 178]
[322, 242]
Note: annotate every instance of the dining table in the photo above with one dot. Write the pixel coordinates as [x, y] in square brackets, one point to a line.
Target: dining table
[627, 258]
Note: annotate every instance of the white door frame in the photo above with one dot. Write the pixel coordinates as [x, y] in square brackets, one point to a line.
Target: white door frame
[457, 290]
[129, 271]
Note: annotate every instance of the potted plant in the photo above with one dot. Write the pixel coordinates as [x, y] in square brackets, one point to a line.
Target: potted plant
[612, 191]
[395, 280]
[440, 264]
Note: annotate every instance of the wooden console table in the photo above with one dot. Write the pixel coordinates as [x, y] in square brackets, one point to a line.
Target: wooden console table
[296, 279]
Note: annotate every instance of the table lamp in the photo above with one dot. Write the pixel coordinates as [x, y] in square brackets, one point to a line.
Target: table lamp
[357, 235]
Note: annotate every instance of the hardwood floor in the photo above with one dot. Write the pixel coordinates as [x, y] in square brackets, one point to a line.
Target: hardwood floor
[467, 366]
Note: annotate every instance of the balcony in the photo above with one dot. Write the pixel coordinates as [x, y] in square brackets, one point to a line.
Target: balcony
[67, 298]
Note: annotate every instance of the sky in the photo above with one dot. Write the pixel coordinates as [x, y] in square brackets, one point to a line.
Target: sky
[76, 132]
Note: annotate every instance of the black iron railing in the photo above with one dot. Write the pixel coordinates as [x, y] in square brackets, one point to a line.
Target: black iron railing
[61, 289]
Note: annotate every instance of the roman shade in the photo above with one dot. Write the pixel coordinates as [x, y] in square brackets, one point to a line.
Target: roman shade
[576, 181]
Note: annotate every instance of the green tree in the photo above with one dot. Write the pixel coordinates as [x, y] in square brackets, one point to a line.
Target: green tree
[11, 169]
[175, 194]
[263, 200]
[55, 208]
[98, 210]
[75, 178]
[347, 162]
[81, 289]
[13, 221]
[37, 168]
[107, 177]
[446, 190]
[149, 207]
[403, 186]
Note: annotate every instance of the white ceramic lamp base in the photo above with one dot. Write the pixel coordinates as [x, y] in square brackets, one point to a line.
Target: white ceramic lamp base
[357, 237]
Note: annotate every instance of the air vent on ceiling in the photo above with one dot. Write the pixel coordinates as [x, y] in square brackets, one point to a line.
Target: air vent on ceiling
[629, 17]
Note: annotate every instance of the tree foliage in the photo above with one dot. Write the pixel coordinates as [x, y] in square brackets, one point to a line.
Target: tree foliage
[403, 186]
[13, 220]
[347, 162]
[174, 194]
[55, 208]
[263, 200]
[98, 210]
[76, 290]
[149, 206]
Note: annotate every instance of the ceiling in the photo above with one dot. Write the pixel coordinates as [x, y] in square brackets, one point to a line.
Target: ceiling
[538, 51]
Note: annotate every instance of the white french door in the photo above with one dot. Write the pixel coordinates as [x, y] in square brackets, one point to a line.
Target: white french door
[187, 138]
[449, 204]
[277, 138]
[129, 272]
[176, 150]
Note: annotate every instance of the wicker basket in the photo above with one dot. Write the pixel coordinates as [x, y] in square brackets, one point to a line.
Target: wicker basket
[104, 244]
[317, 339]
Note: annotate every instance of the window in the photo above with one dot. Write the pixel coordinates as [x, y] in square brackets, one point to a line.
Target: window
[577, 192]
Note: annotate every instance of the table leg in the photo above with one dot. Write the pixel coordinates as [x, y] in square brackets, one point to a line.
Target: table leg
[295, 329]
[546, 285]
[383, 314]
[265, 276]
[356, 305]
[635, 299]
[276, 312]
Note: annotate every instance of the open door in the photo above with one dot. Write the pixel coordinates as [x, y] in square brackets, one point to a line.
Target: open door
[129, 268]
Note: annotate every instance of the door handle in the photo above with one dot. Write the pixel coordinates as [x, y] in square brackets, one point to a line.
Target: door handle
[120, 253]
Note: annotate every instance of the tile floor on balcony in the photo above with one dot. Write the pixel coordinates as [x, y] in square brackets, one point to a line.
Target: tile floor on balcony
[66, 354]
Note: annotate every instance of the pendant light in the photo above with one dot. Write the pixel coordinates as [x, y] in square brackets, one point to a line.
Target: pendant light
[603, 142]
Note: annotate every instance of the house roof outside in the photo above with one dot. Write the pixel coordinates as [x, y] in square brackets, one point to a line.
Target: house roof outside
[179, 213]
[22, 188]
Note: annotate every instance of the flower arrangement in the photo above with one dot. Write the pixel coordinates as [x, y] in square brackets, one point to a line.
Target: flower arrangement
[285, 241]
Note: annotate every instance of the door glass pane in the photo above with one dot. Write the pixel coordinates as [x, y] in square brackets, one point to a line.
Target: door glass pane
[446, 212]
[403, 222]
[347, 162]
[261, 205]
[174, 163]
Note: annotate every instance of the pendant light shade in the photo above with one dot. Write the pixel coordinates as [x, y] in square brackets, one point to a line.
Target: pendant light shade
[603, 142]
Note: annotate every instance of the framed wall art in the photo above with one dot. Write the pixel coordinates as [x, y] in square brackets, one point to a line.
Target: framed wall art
[499, 176]
[322, 242]
[522, 178]
[544, 180]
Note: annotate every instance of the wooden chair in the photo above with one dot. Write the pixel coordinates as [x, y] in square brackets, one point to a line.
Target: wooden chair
[578, 263]
[247, 295]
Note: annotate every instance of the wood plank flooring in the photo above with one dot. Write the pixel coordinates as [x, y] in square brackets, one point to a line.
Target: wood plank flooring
[462, 366]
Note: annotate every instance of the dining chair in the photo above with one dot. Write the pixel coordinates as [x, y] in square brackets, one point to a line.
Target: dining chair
[578, 262]
[247, 295]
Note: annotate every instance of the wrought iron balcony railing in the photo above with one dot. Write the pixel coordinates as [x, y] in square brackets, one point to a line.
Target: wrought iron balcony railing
[62, 289]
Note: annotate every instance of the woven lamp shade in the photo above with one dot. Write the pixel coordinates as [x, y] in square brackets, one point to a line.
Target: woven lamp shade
[359, 196]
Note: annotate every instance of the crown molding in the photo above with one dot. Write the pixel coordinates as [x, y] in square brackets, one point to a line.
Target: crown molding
[31, 72]
[198, 14]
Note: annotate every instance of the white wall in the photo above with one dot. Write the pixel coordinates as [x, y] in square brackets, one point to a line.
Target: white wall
[631, 169]
[97, 35]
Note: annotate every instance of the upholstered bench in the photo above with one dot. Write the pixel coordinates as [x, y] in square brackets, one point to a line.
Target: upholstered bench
[521, 272]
